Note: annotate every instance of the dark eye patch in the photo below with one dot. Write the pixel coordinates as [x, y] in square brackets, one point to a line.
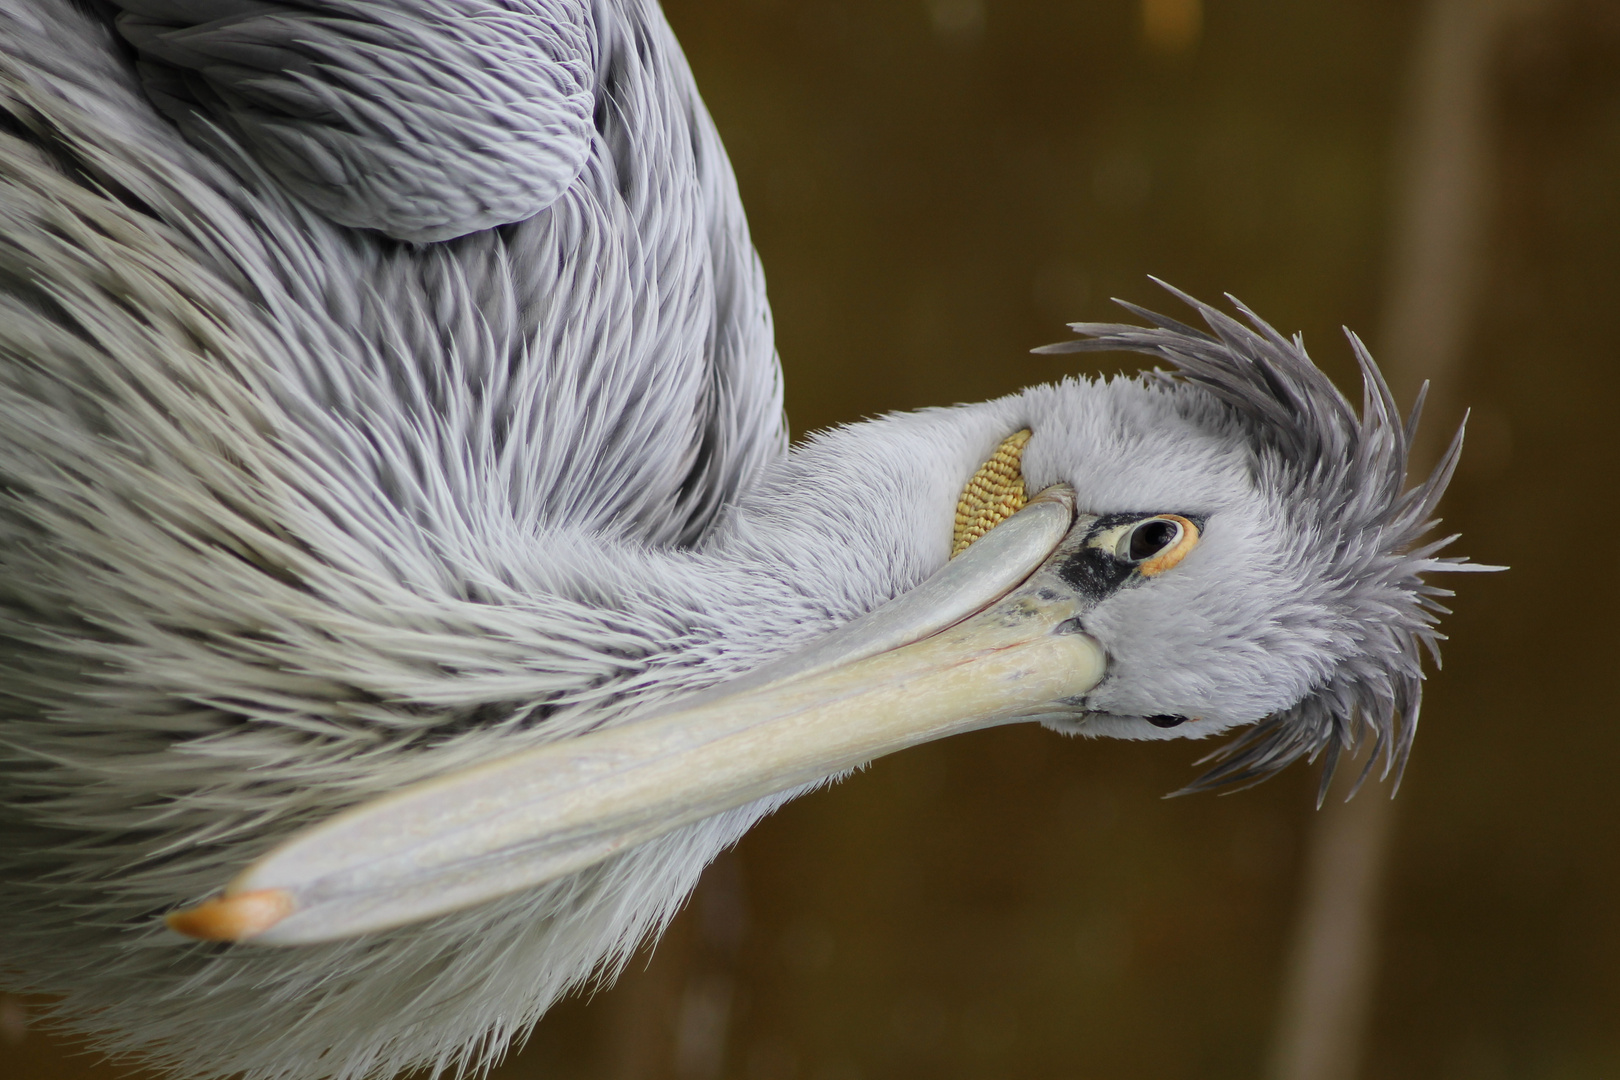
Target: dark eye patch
[1166, 721]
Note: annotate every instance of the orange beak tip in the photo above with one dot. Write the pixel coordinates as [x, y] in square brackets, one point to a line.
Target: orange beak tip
[232, 917]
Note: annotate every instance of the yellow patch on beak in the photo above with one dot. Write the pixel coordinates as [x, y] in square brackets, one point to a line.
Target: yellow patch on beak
[994, 494]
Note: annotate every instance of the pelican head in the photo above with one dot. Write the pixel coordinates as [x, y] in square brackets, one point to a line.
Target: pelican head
[1303, 609]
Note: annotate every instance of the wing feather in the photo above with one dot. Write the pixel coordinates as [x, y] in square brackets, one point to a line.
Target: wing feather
[424, 120]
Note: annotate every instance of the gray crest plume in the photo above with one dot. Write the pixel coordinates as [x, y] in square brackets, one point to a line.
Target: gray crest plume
[1346, 476]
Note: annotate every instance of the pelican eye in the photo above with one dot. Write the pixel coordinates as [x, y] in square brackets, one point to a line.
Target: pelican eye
[1148, 538]
[1156, 544]
[1166, 721]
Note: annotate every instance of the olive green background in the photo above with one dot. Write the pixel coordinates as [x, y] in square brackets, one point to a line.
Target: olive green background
[936, 187]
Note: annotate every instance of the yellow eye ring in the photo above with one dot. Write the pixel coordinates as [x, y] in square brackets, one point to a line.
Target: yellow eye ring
[1174, 553]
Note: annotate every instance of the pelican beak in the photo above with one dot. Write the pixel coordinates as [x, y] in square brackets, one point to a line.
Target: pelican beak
[994, 637]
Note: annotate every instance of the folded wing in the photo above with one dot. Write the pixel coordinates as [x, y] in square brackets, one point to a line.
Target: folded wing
[425, 120]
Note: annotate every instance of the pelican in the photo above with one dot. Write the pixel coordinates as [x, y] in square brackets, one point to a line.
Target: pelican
[408, 588]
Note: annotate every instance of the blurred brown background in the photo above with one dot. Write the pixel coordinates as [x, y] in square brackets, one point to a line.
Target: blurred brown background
[937, 185]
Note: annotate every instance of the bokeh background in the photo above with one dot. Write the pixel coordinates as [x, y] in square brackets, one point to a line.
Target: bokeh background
[935, 187]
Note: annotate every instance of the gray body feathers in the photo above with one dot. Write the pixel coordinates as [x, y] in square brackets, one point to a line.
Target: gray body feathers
[425, 121]
[218, 407]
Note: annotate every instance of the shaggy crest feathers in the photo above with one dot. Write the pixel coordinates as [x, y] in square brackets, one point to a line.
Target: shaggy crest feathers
[1343, 481]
